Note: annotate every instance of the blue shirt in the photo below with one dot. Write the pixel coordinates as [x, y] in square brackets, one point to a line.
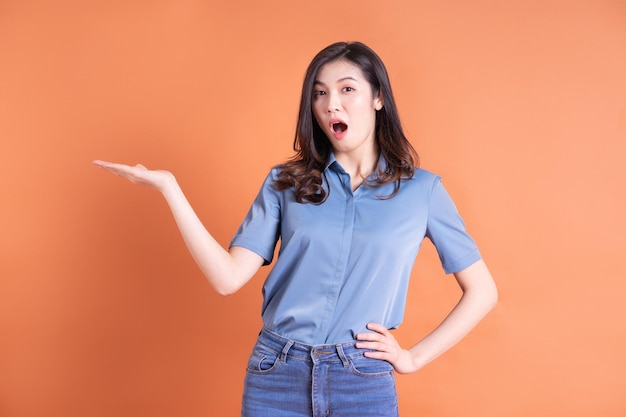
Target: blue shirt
[347, 262]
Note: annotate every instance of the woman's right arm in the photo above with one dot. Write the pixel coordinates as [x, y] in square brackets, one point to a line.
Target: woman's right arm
[226, 270]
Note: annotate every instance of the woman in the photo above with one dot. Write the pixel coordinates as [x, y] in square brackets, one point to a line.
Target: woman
[351, 209]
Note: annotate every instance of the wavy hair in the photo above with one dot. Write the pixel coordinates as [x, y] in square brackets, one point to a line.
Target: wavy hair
[305, 170]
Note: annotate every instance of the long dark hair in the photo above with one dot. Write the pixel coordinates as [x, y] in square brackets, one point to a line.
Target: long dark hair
[305, 170]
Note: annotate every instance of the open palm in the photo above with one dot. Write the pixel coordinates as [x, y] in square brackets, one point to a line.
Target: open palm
[138, 174]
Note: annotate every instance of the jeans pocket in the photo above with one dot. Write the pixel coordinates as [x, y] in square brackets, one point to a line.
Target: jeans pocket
[369, 367]
[262, 360]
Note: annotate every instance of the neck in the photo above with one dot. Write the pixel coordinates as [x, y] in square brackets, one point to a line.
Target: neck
[358, 164]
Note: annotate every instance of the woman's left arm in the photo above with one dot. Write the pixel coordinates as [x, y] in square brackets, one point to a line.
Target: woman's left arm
[480, 295]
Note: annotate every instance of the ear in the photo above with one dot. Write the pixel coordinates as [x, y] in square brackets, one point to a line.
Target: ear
[378, 102]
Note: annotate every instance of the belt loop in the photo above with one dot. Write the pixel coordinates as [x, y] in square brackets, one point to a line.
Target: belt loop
[283, 354]
[342, 356]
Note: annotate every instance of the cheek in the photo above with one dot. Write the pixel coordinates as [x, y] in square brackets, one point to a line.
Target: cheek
[318, 114]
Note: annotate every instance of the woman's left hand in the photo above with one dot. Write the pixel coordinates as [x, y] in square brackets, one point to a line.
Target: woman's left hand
[386, 347]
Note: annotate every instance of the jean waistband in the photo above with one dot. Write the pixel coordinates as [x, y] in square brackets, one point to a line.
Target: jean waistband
[291, 348]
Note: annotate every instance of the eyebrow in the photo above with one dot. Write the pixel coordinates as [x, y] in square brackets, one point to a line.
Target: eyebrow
[318, 82]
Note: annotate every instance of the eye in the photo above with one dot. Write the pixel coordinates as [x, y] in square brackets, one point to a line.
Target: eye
[318, 93]
[348, 89]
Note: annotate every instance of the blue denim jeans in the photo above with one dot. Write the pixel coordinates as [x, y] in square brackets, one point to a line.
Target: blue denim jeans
[287, 378]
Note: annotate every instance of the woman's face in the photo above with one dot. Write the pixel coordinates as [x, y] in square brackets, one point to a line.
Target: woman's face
[345, 107]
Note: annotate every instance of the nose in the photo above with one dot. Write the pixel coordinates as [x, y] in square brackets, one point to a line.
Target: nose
[333, 103]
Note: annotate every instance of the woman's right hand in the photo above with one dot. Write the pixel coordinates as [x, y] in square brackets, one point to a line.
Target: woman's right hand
[226, 270]
[139, 174]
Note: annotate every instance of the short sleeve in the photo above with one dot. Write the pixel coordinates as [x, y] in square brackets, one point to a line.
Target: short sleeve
[259, 231]
[446, 229]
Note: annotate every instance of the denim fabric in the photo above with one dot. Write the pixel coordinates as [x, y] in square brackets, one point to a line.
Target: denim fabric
[287, 378]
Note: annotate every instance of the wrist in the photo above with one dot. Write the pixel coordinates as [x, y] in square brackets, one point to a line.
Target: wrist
[419, 359]
[169, 186]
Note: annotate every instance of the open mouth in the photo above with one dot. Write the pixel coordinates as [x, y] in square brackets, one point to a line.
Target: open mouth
[339, 127]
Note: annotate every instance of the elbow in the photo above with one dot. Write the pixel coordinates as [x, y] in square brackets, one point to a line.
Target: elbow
[227, 287]
[486, 296]
[225, 290]
[492, 298]
[224, 284]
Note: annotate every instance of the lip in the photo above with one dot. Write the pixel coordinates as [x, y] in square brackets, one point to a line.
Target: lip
[337, 135]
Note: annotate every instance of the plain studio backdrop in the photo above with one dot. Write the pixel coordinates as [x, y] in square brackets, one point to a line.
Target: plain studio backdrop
[519, 106]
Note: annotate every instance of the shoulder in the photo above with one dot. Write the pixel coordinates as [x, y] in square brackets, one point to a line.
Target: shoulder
[422, 174]
[277, 182]
[417, 189]
[424, 178]
[268, 184]
[274, 173]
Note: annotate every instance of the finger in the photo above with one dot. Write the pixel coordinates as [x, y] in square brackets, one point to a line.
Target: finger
[371, 337]
[379, 328]
[121, 170]
[378, 346]
[378, 355]
[99, 163]
[110, 166]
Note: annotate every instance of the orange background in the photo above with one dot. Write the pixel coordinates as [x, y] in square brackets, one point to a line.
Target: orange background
[520, 106]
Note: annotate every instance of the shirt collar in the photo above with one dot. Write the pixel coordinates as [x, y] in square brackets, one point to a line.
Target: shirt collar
[332, 161]
[334, 164]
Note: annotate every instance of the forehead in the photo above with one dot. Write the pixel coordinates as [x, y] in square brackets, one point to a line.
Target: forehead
[339, 70]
